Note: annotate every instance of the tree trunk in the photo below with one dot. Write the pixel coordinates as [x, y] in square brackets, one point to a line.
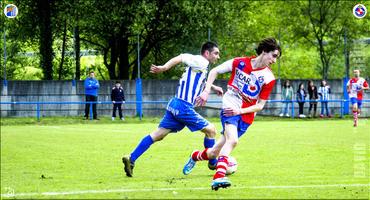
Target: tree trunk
[77, 47]
[326, 70]
[111, 66]
[124, 65]
[63, 50]
[46, 40]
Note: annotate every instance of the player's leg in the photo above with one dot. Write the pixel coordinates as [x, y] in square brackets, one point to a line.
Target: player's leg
[231, 140]
[167, 125]
[359, 105]
[143, 146]
[234, 128]
[354, 110]
[195, 122]
[206, 154]
[219, 179]
[208, 142]
[355, 114]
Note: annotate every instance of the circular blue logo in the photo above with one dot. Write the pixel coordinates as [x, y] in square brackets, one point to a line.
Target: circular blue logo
[359, 11]
[11, 11]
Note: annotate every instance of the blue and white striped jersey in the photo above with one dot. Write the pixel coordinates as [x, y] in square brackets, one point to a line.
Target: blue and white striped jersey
[324, 92]
[193, 79]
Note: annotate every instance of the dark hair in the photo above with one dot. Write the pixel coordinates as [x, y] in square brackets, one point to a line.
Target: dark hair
[118, 82]
[91, 72]
[267, 45]
[322, 83]
[308, 83]
[309, 88]
[208, 46]
[299, 86]
[285, 82]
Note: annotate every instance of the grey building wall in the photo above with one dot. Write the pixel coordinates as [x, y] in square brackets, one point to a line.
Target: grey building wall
[153, 90]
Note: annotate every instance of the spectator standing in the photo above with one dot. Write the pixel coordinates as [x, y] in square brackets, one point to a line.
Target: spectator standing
[313, 96]
[324, 92]
[301, 96]
[91, 93]
[286, 95]
[118, 97]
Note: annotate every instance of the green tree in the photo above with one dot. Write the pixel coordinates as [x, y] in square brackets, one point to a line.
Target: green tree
[322, 24]
[158, 23]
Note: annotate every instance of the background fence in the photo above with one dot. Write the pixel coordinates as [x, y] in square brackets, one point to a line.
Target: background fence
[67, 98]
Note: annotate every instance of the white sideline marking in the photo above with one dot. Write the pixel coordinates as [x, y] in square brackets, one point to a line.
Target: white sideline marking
[177, 189]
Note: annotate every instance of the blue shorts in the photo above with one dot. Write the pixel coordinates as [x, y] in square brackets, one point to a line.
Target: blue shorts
[179, 114]
[355, 100]
[237, 121]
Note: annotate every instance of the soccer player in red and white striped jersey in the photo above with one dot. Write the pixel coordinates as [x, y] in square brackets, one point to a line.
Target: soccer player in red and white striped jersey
[249, 87]
[355, 89]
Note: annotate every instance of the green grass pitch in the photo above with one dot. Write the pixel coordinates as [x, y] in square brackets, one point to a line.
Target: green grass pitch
[286, 159]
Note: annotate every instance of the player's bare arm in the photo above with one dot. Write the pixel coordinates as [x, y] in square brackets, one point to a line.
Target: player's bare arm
[169, 64]
[219, 91]
[201, 100]
[255, 108]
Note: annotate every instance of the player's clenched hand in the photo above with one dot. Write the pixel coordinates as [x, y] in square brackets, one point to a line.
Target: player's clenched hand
[156, 69]
[201, 100]
[228, 112]
[218, 90]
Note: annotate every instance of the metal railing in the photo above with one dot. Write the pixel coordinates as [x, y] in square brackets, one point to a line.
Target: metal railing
[292, 109]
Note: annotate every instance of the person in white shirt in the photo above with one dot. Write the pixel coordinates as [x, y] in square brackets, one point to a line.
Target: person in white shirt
[180, 109]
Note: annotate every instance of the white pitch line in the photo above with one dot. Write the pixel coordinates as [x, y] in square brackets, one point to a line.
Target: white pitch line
[177, 189]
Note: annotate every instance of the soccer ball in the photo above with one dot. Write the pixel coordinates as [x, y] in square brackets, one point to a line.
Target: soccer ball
[232, 166]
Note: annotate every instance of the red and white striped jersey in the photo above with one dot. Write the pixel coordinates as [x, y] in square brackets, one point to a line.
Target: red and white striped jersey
[252, 83]
[355, 87]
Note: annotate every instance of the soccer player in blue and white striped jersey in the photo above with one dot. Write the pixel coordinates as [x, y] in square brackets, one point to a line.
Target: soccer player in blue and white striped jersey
[180, 109]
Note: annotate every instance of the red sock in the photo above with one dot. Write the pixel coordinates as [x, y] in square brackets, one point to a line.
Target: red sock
[197, 155]
[221, 167]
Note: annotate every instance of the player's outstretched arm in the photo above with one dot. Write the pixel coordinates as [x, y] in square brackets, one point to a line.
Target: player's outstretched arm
[201, 100]
[169, 64]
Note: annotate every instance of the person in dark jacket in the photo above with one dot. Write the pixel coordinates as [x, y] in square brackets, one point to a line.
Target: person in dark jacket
[312, 93]
[118, 97]
[301, 96]
[91, 93]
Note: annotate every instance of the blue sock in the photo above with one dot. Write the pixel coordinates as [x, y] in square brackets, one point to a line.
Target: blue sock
[141, 148]
[208, 143]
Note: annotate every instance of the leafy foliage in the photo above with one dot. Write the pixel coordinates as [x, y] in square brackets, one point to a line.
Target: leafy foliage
[311, 34]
